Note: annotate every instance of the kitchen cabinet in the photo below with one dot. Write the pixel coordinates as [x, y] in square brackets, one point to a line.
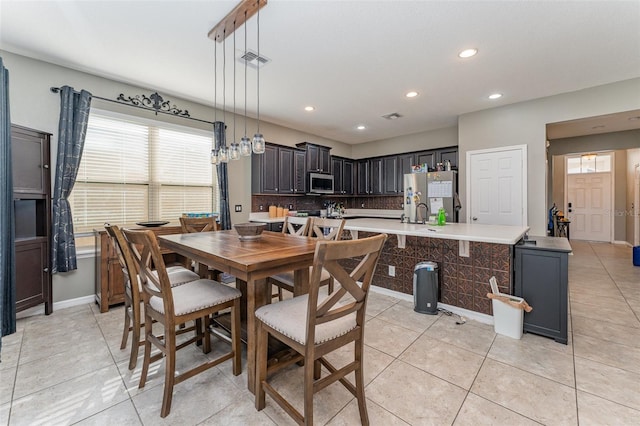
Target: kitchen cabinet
[428, 158]
[279, 170]
[363, 179]
[390, 179]
[449, 154]
[109, 278]
[318, 157]
[342, 171]
[541, 278]
[32, 217]
[405, 165]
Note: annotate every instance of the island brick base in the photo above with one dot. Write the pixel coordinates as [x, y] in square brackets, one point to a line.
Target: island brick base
[464, 281]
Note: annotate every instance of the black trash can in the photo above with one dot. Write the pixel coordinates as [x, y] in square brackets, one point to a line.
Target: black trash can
[425, 288]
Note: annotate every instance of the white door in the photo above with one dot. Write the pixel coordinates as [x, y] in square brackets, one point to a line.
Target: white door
[496, 186]
[589, 206]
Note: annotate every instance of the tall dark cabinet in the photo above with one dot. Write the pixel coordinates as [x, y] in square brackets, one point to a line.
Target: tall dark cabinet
[32, 213]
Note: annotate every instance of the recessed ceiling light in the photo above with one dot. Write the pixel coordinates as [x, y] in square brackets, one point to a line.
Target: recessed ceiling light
[495, 96]
[309, 108]
[361, 127]
[411, 94]
[467, 53]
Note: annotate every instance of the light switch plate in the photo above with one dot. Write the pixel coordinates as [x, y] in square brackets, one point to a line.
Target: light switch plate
[463, 248]
[392, 271]
[238, 207]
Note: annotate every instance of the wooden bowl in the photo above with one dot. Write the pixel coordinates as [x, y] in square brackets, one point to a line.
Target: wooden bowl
[249, 231]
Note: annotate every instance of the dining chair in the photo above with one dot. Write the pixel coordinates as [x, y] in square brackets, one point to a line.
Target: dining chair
[172, 306]
[314, 326]
[321, 228]
[132, 314]
[201, 224]
[298, 226]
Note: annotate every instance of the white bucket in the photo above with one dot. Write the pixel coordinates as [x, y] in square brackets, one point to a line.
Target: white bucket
[508, 320]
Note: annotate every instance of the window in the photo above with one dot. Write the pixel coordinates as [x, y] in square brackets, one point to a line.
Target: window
[134, 170]
[589, 163]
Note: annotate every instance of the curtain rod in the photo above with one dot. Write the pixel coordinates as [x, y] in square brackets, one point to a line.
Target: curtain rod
[155, 98]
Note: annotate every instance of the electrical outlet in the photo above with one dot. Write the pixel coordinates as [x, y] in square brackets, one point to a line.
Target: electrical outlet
[238, 208]
[362, 206]
[260, 207]
[392, 271]
[290, 206]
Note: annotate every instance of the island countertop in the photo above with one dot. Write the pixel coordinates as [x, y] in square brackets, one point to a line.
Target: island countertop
[499, 234]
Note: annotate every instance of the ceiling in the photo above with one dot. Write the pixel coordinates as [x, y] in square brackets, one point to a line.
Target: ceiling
[352, 60]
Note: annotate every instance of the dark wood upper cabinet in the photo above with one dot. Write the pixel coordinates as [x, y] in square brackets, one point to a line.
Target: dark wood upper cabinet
[32, 217]
[449, 154]
[405, 166]
[336, 171]
[279, 170]
[348, 177]
[363, 167]
[428, 158]
[299, 171]
[390, 175]
[318, 157]
[342, 170]
[285, 170]
[264, 171]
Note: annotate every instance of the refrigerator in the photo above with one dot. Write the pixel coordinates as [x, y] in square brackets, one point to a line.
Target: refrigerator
[425, 193]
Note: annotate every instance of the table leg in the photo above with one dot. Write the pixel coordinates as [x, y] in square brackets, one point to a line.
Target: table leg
[256, 297]
[301, 282]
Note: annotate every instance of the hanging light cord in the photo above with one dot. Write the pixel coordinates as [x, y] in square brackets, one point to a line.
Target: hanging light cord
[215, 81]
[258, 64]
[245, 73]
[224, 81]
[234, 82]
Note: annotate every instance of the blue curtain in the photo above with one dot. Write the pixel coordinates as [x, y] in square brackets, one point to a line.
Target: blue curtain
[74, 115]
[7, 231]
[219, 134]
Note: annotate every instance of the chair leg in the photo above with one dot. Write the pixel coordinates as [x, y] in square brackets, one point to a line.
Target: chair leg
[235, 338]
[127, 324]
[206, 346]
[309, 373]
[169, 372]
[317, 370]
[362, 401]
[148, 323]
[135, 340]
[261, 366]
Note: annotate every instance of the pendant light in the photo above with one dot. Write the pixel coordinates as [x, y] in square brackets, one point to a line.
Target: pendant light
[245, 142]
[258, 140]
[214, 150]
[223, 153]
[234, 148]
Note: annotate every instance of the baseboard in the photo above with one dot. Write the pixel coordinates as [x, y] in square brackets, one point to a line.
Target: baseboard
[476, 316]
[624, 243]
[39, 310]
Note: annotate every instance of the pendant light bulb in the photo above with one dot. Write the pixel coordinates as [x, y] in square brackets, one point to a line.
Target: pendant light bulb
[223, 155]
[234, 151]
[245, 146]
[214, 157]
[258, 144]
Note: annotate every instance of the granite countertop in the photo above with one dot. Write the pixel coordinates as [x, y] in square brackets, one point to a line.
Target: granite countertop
[499, 234]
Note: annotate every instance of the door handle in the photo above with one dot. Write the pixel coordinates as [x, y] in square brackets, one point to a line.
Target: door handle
[474, 218]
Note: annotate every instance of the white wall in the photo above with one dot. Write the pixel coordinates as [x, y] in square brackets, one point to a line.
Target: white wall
[633, 158]
[33, 105]
[439, 138]
[525, 123]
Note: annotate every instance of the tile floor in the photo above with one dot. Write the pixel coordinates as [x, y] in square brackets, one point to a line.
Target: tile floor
[420, 370]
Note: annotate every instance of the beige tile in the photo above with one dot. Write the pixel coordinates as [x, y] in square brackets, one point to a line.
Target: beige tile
[374, 361]
[530, 395]
[122, 414]
[611, 383]
[7, 380]
[477, 411]
[10, 355]
[240, 412]
[609, 353]
[350, 415]
[77, 361]
[621, 316]
[4, 413]
[402, 314]
[596, 411]
[289, 383]
[70, 401]
[607, 331]
[465, 336]
[443, 360]
[194, 400]
[415, 396]
[377, 303]
[37, 346]
[388, 338]
[535, 359]
[76, 317]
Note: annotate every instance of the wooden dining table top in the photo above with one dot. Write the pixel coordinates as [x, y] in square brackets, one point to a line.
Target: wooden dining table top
[225, 251]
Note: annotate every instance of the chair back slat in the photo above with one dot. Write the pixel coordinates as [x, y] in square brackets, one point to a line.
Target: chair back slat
[127, 262]
[334, 256]
[153, 284]
[198, 224]
[295, 225]
[326, 229]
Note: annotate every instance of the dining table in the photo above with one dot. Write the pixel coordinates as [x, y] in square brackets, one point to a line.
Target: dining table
[251, 262]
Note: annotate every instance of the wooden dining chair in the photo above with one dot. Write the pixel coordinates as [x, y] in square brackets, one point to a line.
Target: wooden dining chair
[298, 226]
[132, 314]
[172, 306]
[322, 228]
[201, 224]
[314, 326]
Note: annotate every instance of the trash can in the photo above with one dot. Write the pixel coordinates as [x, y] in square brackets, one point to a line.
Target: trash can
[425, 288]
[507, 319]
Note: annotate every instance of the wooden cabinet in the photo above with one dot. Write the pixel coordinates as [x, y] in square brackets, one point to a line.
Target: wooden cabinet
[318, 157]
[541, 278]
[390, 181]
[109, 284]
[279, 170]
[449, 154]
[363, 179]
[428, 158]
[405, 165]
[342, 171]
[32, 217]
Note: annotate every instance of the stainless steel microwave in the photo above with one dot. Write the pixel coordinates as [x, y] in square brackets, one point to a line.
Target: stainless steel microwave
[320, 183]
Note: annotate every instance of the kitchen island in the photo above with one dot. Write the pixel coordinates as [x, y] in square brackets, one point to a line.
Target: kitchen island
[467, 256]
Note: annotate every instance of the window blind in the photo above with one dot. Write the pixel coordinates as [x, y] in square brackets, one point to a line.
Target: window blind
[134, 170]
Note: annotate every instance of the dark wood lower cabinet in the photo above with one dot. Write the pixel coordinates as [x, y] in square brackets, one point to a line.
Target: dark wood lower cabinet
[33, 280]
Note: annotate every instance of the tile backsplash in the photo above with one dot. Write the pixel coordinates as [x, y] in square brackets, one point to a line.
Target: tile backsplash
[316, 203]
